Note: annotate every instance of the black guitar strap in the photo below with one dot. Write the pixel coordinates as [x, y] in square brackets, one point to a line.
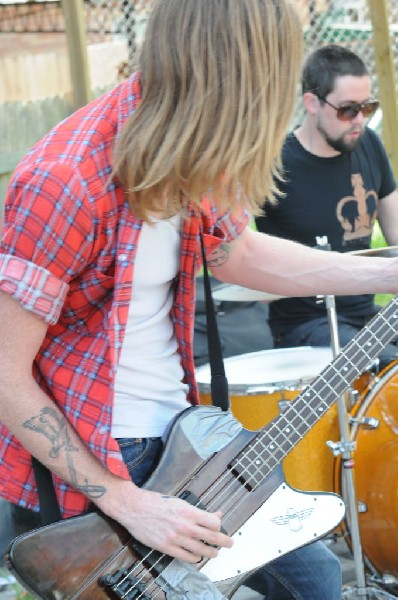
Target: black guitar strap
[218, 383]
[49, 507]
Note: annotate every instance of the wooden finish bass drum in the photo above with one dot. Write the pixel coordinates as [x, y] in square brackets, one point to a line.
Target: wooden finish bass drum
[374, 429]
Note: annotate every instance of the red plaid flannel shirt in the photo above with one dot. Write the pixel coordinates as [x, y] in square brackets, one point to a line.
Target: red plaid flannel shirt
[67, 254]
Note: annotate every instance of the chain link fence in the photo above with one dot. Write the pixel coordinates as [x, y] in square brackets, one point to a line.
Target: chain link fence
[345, 22]
[115, 29]
[118, 23]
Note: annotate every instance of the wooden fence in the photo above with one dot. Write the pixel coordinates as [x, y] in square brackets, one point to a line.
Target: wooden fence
[37, 94]
[22, 125]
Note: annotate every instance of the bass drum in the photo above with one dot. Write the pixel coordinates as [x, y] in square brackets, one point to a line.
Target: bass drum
[374, 428]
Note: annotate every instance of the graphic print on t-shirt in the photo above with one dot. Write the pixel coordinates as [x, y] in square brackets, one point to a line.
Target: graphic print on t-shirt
[357, 213]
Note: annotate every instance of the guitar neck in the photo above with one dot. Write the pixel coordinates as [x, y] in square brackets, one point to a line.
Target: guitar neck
[273, 443]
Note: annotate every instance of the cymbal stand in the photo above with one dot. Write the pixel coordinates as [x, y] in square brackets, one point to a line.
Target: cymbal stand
[345, 448]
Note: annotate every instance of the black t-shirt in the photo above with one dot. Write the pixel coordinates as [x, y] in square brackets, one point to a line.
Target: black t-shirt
[335, 197]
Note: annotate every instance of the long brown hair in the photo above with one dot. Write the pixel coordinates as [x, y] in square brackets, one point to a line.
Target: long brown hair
[219, 83]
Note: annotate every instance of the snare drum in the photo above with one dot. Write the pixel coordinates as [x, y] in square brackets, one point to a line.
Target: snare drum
[260, 383]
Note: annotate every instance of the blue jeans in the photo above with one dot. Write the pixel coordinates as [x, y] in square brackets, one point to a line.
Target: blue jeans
[317, 333]
[310, 573]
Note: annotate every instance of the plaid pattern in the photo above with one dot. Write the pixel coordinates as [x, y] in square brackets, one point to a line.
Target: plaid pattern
[67, 254]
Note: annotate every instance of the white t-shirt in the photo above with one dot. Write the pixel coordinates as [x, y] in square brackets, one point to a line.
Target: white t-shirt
[149, 391]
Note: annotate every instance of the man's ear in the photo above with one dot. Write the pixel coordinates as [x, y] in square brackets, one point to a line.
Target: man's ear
[311, 102]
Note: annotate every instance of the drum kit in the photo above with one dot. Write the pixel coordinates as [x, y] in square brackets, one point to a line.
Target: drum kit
[352, 450]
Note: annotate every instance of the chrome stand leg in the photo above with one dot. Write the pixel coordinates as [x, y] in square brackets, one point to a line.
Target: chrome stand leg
[345, 448]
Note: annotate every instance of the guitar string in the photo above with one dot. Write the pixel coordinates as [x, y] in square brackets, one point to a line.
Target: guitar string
[354, 370]
[258, 447]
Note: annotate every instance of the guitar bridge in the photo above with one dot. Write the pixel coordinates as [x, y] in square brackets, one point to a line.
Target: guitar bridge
[122, 585]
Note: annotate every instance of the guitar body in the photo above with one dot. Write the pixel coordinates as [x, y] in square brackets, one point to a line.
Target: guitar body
[211, 461]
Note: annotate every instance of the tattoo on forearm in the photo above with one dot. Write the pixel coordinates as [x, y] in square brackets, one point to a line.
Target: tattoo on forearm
[54, 428]
[218, 256]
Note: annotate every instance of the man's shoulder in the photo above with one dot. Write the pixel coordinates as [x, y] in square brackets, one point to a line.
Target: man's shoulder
[371, 146]
[290, 148]
[290, 140]
[295, 156]
[370, 137]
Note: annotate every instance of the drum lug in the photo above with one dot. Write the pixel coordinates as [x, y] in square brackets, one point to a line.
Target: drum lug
[389, 579]
[365, 422]
[385, 579]
[362, 506]
[369, 423]
[351, 397]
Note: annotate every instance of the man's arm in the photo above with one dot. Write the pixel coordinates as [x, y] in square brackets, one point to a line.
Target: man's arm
[259, 261]
[388, 218]
[166, 524]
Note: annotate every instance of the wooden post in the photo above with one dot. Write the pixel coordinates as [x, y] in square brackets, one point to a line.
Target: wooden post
[77, 46]
[386, 77]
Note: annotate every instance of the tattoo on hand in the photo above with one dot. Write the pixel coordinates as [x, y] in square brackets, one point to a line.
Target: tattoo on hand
[54, 427]
[218, 256]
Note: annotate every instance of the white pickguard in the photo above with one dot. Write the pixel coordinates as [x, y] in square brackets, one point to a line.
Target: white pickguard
[288, 520]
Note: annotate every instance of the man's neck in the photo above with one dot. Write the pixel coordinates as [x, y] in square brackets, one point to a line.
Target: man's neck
[309, 137]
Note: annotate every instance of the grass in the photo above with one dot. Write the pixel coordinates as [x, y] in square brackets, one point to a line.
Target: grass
[19, 592]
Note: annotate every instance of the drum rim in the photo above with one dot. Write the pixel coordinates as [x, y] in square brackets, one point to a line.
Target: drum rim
[245, 388]
[253, 389]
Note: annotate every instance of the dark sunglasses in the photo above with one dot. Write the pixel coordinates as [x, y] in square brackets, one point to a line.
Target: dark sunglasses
[351, 110]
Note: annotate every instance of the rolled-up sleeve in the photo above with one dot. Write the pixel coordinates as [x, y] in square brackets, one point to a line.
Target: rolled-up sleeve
[223, 228]
[35, 288]
[46, 237]
[232, 224]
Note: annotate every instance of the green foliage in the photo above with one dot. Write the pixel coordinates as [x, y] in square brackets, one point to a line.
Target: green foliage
[14, 590]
